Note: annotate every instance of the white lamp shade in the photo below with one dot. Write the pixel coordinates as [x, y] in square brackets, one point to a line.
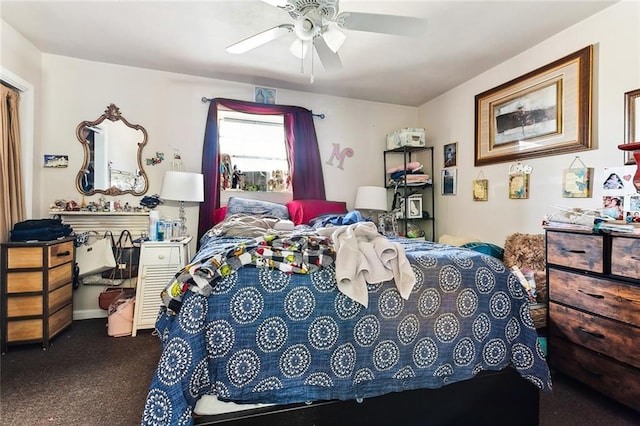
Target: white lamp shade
[182, 186]
[371, 198]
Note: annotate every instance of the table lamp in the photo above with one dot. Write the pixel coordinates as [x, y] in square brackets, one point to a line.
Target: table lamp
[182, 187]
[371, 198]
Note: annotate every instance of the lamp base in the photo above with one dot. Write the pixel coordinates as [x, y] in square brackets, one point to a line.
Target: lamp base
[183, 221]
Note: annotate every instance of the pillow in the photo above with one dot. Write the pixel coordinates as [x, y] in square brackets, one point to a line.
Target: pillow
[486, 248]
[453, 240]
[219, 214]
[302, 211]
[256, 207]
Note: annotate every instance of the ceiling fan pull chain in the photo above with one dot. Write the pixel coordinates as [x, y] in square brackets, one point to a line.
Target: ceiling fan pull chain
[312, 55]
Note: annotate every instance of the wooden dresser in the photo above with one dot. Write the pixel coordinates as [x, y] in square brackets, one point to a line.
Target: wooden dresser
[37, 290]
[594, 310]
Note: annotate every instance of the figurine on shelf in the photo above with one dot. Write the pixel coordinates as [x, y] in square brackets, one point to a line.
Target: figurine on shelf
[226, 171]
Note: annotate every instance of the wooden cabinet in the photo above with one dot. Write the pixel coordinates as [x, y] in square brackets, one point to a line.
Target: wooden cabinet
[415, 200]
[37, 290]
[594, 310]
[159, 262]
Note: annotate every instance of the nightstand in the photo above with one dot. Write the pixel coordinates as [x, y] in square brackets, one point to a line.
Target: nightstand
[159, 262]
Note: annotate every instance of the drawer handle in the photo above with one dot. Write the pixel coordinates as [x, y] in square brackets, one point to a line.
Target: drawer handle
[161, 256]
[574, 251]
[593, 373]
[591, 333]
[595, 296]
[63, 253]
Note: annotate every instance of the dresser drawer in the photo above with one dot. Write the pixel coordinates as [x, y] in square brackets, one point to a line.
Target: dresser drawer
[602, 374]
[22, 306]
[59, 320]
[612, 338]
[60, 253]
[18, 331]
[60, 276]
[607, 298]
[60, 297]
[580, 251]
[24, 257]
[626, 259]
[24, 282]
[160, 255]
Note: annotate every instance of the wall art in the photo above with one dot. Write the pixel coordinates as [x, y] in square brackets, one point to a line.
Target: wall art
[56, 161]
[545, 112]
[448, 183]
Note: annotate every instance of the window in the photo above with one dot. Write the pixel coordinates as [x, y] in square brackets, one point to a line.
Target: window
[252, 152]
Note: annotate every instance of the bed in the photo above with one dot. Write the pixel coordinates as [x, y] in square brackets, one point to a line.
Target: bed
[262, 316]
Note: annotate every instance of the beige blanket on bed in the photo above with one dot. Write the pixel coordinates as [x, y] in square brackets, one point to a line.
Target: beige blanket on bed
[364, 256]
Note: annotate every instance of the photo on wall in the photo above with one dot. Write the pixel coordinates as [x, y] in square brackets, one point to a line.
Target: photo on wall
[56, 161]
[480, 190]
[450, 154]
[449, 181]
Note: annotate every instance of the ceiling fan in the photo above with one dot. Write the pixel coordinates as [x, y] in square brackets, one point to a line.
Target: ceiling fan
[317, 24]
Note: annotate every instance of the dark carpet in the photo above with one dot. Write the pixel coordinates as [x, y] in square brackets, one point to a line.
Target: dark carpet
[88, 378]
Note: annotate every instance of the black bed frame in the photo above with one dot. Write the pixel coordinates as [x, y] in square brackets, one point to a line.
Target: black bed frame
[491, 398]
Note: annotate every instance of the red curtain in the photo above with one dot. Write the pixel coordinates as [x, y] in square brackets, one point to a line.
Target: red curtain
[302, 145]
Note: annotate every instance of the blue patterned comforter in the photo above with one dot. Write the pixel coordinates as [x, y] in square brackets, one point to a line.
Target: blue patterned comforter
[271, 337]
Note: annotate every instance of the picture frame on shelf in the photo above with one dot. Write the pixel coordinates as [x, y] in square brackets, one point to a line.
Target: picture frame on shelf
[631, 122]
[414, 211]
[545, 112]
[388, 224]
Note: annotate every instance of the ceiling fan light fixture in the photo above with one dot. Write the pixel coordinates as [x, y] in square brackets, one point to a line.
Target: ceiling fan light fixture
[334, 37]
[306, 28]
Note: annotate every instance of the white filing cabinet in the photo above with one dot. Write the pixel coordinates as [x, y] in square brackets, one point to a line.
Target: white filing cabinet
[159, 262]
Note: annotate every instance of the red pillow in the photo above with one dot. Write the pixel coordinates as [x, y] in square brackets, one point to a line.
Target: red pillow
[302, 211]
[219, 214]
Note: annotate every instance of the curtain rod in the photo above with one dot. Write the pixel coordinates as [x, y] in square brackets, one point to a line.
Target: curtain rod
[204, 100]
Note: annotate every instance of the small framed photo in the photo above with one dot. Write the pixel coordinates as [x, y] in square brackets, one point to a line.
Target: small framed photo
[388, 224]
[518, 186]
[450, 154]
[264, 95]
[56, 161]
[481, 190]
[414, 207]
[448, 183]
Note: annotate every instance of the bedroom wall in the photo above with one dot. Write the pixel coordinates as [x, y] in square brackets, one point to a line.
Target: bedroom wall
[20, 65]
[615, 34]
[169, 106]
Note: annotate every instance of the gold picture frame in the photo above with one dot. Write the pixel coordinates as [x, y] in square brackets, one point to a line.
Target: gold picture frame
[480, 189]
[545, 112]
[631, 122]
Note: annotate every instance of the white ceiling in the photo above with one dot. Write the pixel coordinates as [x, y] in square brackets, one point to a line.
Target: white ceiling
[462, 40]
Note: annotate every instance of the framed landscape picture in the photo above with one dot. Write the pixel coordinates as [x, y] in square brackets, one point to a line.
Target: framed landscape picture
[545, 112]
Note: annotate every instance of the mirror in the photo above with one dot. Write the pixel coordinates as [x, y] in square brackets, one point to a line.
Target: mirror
[112, 155]
[631, 121]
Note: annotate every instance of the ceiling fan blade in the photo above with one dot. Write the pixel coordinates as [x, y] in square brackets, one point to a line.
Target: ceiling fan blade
[276, 3]
[259, 39]
[330, 60]
[299, 48]
[385, 24]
